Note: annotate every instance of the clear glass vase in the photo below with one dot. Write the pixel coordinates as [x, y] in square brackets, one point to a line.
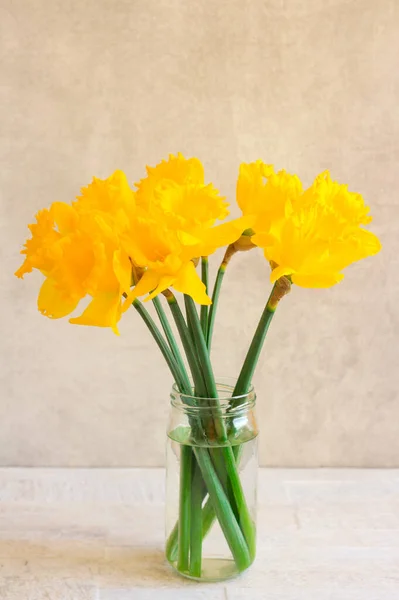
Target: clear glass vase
[211, 484]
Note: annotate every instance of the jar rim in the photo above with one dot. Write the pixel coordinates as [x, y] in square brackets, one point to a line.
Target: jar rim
[191, 401]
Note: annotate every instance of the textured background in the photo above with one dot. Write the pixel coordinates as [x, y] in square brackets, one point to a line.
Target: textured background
[90, 86]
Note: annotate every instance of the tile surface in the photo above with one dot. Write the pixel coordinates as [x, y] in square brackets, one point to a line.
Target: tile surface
[80, 534]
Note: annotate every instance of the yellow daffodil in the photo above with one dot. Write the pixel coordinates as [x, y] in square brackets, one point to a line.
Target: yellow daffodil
[91, 247]
[112, 237]
[175, 223]
[78, 251]
[309, 235]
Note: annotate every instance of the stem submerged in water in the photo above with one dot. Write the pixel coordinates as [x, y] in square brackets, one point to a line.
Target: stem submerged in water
[223, 510]
[186, 466]
[197, 495]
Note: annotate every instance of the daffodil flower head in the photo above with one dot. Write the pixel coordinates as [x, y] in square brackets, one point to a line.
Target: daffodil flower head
[113, 237]
[78, 251]
[175, 223]
[310, 235]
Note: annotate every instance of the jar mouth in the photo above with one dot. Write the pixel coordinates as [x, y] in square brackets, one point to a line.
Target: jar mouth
[225, 401]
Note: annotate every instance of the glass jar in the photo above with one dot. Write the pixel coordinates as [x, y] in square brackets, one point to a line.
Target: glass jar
[211, 483]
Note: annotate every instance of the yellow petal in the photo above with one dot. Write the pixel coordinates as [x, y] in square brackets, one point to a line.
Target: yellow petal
[187, 239]
[103, 311]
[118, 181]
[147, 283]
[321, 280]
[39, 248]
[179, 169]
[53, 303]
[188, 282]
[250, 184]
[109, 196]
[26, 267]
[369, 242]
[123, 270]
[65, 217]
[164, 283]
[263, 239]
[280, 272]
[221, 235]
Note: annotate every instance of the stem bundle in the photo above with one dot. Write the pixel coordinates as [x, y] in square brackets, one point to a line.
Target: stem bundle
[207, 471]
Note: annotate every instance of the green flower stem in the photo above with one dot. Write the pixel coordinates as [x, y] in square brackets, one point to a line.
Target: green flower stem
[205, 279]
[170, 336]
[197, 495]
[181, 536]
[220, 505]
[200, 345]
[207, 518]
[188, 345]
[186, 465]
[196, 483]
[244, 381]
[218, 498]
[195, 330]
[213, 426]
[242, 386]
[252, 357]
[223, 510]
[251, 360]
[172, 542]
[180, 377]
[214, 305]
[197, 486]
[196, 350]
[227, 463]
[237, 498]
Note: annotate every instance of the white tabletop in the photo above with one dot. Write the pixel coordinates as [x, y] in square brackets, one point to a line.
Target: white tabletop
[97, 534]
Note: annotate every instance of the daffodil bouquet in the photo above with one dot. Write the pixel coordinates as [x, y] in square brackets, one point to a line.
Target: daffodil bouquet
[127, 247]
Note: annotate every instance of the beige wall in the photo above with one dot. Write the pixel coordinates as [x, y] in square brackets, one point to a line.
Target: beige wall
[87, 87]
